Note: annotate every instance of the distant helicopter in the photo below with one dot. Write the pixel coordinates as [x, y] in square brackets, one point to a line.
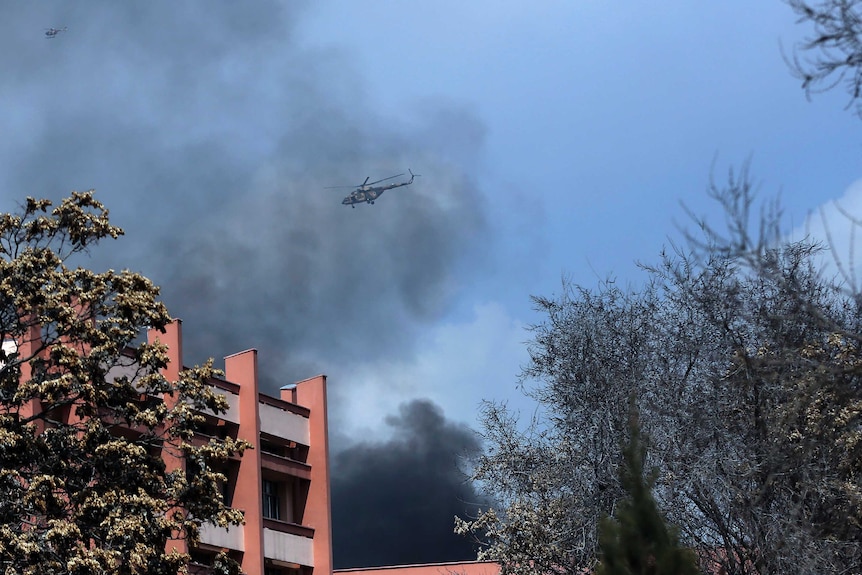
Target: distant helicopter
[52, 32]
[368, 192]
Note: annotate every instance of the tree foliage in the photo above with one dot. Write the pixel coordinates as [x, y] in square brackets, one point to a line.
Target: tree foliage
[637, 540]
[744, 363]
[87, 420]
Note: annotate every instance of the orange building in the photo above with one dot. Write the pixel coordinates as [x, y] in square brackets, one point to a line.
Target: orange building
[461, 568]
[282, 484]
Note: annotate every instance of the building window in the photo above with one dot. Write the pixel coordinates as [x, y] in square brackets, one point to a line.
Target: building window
[271, 447]
[271, 503]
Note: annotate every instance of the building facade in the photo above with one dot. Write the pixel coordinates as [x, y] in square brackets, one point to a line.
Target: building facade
[459, 568]
[282, 484]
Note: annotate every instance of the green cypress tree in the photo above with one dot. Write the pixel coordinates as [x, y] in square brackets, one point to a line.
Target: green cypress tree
[637, 541]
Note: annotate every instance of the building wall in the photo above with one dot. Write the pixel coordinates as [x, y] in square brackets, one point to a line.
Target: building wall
[282, 484]
[463, 568]
[291, 451]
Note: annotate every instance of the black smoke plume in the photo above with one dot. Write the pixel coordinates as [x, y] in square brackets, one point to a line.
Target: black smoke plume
[210, 132]
[394, 501]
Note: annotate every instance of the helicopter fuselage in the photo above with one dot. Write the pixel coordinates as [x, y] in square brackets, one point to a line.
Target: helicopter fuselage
[367, 193]
[359, 196]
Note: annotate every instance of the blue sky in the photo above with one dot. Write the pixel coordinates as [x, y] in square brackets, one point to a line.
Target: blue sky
[554, 138]
[595, 120]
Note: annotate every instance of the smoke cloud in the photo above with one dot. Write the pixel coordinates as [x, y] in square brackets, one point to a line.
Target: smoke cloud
[394, 501]
[210, 132]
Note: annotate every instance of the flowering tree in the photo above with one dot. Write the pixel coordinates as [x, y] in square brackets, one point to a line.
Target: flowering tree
[94, 440]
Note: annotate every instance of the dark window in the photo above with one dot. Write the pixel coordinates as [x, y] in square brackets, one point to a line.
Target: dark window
[271, 447]
[271, 503]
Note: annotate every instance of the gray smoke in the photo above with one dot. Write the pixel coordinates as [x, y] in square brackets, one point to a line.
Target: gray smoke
[210, 133]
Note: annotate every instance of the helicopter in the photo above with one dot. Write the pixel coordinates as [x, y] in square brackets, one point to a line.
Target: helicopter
[367, 192]
[52, 32]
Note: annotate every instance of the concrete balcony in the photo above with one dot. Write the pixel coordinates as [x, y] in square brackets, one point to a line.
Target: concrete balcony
[232, 413]
[283, 423]
[223, 537]
[288, 547]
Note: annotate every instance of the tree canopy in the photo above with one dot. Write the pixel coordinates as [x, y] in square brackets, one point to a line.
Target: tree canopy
[89, 425]
[745, 363]
[637, 540]
[743, 357]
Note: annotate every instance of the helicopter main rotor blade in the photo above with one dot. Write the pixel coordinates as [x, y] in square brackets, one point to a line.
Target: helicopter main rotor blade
[365, 183]
[384, 179]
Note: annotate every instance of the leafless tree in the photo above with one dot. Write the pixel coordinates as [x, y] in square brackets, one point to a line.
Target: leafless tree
[832, 54]
[744, 360]
[745, 364]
